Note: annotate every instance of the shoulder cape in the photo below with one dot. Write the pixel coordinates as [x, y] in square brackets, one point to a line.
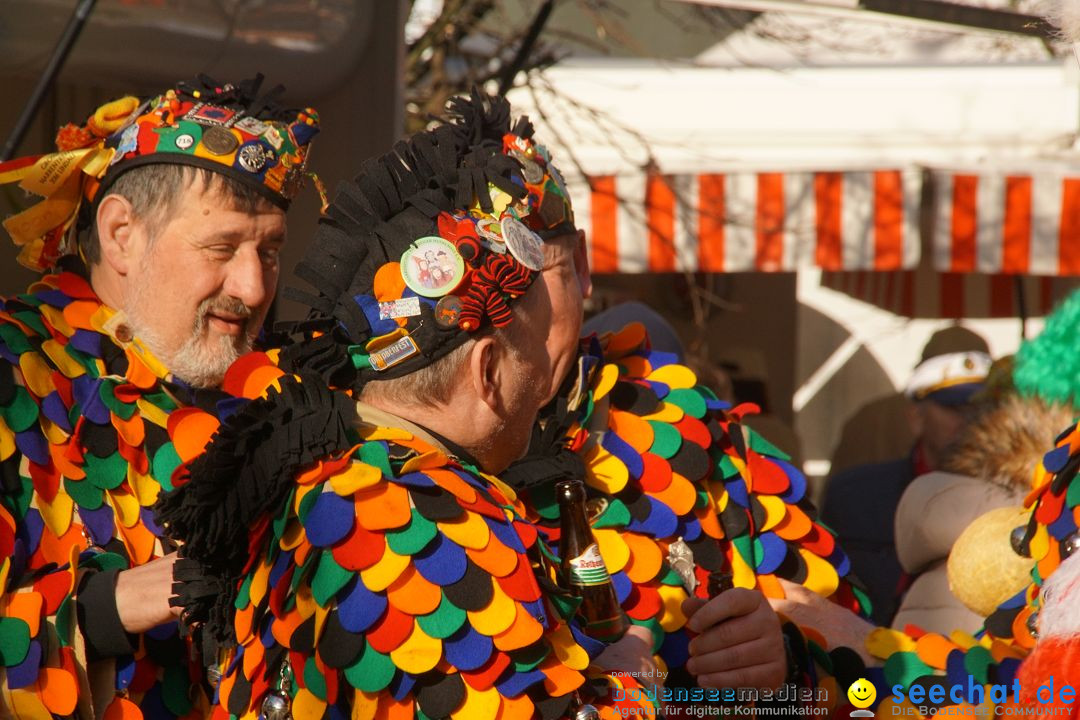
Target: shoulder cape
[84, 452]
[374, 575]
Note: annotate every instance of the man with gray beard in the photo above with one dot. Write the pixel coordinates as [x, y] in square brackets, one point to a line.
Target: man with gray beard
[159, 233]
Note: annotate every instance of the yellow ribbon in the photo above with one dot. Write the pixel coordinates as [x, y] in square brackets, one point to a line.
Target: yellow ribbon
[58, 178]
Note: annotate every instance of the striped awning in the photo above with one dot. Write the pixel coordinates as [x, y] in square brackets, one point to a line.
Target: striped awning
[995, 221]
[750, 221]
[927, 294]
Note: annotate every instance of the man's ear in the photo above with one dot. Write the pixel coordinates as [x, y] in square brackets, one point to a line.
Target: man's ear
[914, 416]
[581, 265]
[116, 223]
[483, 371]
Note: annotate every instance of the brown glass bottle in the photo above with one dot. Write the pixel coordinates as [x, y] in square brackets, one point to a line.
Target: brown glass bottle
[583, 568]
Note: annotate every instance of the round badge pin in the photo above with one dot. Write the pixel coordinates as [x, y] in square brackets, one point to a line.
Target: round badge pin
[523, 243]
[185, 141]
[252, 157]
[219, 141]
[448, 311]
[490, 233]
[530, 169]
[432, 266]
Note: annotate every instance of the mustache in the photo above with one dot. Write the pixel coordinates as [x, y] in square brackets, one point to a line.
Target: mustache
[228, 305]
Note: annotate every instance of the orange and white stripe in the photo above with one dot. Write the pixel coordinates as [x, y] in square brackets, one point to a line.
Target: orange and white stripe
[747, 221]
[926, 293]
[1014, 224]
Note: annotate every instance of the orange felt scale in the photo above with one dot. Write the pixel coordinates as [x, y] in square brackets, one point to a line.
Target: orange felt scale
[523, 631]
[795, 525]
[632, 429]
[645, 558]
[383, 507]
[192, 427]
[680, 495]
[412, 594]
[453, 484]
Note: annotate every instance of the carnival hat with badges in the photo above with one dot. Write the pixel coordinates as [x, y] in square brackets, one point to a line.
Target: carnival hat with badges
[229, 129]
[434, 241]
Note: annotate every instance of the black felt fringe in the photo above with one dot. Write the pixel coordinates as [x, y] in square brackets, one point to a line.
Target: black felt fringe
[245, 475]
[243, 95]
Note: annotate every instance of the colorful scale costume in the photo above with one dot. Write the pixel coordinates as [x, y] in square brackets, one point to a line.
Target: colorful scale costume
[359, 568]
[672, 468]
[362, 563]
[85, 451]
[386, 577]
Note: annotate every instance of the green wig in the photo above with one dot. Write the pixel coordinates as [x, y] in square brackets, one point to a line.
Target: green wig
[1048, 367]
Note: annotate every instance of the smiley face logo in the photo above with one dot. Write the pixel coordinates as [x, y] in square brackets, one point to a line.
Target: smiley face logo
[862, 693]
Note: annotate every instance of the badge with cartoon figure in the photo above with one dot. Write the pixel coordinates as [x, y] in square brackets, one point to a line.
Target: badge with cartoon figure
[432, 267]
[523, 243]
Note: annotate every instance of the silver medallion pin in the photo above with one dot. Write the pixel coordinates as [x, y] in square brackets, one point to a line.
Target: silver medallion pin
[253, 157]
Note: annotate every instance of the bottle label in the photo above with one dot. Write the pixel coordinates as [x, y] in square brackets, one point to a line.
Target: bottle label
[588, 568]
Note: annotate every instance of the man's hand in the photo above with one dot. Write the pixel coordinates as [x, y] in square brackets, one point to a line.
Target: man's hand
[142, 595]
[739, 642]
[838, 625]
[632, 655]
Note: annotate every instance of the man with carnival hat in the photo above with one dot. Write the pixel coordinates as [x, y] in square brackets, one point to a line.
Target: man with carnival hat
[159, 229]
[357, 556]
[449, 380]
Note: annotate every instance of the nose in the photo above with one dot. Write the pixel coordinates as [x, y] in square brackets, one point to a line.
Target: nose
[249, 279]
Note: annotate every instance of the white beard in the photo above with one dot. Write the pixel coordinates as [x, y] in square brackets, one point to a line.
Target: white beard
[197, 363]
[204, 365]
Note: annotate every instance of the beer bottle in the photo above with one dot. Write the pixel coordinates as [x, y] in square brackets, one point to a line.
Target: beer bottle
[720, 581]
[583, 568]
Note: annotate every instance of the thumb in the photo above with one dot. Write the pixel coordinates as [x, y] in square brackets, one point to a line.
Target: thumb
[794, 589]
[782, 606]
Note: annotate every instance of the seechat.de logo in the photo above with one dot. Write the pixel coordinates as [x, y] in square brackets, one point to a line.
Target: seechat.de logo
[862, 694]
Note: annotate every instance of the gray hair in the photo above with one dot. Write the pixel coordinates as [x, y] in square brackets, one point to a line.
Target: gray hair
[154, 192]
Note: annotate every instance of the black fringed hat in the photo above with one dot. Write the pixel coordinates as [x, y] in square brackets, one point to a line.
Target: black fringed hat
[434, 241]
